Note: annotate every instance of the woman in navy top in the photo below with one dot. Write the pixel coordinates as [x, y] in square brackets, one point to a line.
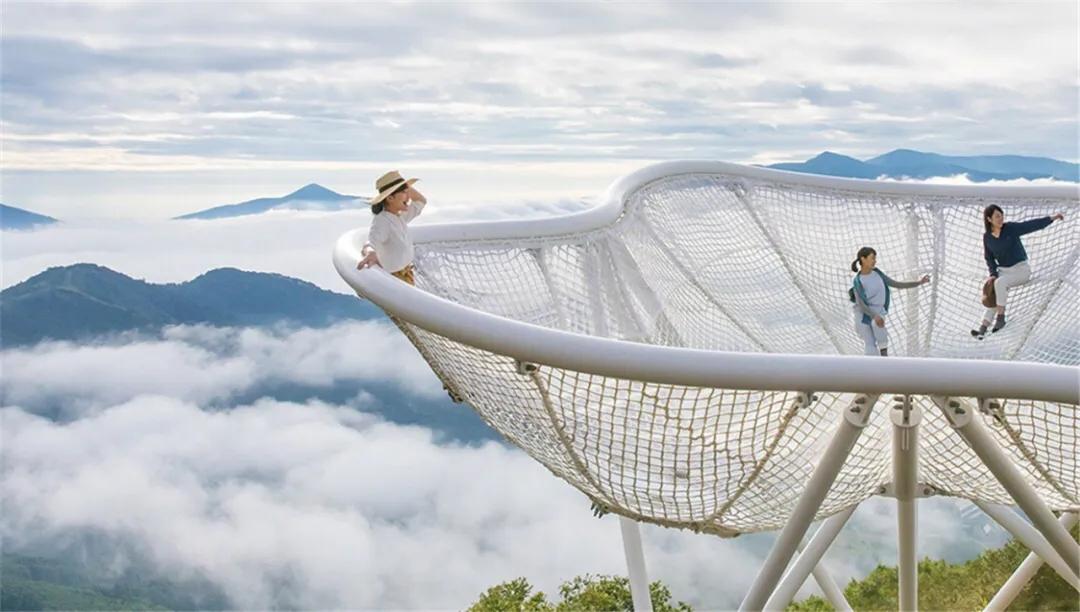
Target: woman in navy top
[1006, 259]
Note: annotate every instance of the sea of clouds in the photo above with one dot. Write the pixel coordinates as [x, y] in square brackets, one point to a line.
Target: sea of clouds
[155, 444]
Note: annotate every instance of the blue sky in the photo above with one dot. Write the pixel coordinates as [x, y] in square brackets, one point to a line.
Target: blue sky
[154, 109]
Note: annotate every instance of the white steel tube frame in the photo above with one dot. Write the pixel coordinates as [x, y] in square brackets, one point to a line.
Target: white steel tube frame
[716, 369]
[710, 369]
[974, 433]
[635, 565]
[906, 417]
[1023, 574]
[832, 591]
[1030, 537]
[809, 561]
[851, 426]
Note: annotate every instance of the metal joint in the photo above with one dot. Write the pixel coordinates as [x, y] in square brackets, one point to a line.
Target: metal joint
[858, 413]
[804, 399]
[954, 411]
[524, 367]
[922, 489]
[993, 408]
[905, 413]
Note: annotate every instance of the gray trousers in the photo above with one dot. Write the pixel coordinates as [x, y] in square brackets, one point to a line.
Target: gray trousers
[874, 338]
[1010, 277]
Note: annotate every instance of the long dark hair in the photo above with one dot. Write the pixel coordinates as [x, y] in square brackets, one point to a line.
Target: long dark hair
[863, 253]
[381, 205]
[989, 212]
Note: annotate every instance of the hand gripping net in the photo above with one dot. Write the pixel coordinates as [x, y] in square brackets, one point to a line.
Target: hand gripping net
[732, 259]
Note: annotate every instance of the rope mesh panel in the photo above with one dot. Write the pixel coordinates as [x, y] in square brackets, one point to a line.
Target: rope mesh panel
[730, 263]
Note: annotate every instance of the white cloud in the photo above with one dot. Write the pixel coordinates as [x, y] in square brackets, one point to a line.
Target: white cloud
[210, 365]
[962, 179]
[296, 244]
[248, 96]
[360, 513]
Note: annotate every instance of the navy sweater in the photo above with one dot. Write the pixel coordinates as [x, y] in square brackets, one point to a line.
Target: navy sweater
[1007, 250]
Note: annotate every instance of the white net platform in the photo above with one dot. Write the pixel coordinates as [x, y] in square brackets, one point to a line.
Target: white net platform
[757, 262]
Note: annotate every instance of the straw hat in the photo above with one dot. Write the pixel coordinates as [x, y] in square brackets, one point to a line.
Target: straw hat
[387, 183]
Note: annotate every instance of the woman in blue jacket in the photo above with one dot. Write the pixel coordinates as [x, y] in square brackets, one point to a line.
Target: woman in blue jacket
[1006, 259]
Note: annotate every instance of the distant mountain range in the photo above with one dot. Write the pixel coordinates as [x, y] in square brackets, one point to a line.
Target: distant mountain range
[309, 197]
[12, 218]
[905, 163]
[85, 300]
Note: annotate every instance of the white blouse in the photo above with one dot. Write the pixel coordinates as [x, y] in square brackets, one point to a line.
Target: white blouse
[389, 236]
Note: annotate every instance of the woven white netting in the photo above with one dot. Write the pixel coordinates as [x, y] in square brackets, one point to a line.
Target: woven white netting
[725, 262]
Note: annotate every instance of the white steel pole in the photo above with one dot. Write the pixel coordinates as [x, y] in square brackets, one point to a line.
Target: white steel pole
[635, 565]
[851, 426]
[1023, 574]
[831, 590]
[1030, 537]
[808, 559]
[974, 433]
[906, 417]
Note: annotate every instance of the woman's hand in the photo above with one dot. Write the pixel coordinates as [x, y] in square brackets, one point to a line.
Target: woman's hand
[879, 320]
[370, 259]
[415, 196]
[925, 279]
[1057, 217]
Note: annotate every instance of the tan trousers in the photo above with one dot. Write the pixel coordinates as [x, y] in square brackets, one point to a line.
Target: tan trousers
[406, 274]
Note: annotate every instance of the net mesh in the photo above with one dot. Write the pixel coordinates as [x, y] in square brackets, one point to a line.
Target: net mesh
[724, 262]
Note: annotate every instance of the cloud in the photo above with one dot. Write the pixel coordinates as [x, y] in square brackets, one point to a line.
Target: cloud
[296, 244]
[210, 366]
[356, 512]
[101, 88]
[962, 179]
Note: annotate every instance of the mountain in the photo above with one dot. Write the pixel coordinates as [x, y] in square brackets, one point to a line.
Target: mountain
[309, 197]
[832, 164]
[12, 218]
[84, 300]
[905, 163]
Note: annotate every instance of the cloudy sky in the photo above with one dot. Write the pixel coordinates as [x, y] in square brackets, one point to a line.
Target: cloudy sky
[125, 109]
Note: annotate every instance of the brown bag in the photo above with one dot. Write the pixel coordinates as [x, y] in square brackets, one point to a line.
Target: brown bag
[989, 297]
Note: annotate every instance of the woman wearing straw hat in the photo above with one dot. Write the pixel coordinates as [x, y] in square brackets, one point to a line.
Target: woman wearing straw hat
[389, 244]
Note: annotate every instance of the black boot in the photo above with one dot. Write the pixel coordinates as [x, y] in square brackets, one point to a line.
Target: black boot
[980, 333]
[884, 352]
[998, 323]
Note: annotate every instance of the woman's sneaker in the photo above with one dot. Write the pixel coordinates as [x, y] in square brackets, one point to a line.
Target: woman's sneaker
[998, 324]
[980, 333]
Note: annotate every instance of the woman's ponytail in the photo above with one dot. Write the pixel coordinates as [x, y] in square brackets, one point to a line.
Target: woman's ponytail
[862, 254]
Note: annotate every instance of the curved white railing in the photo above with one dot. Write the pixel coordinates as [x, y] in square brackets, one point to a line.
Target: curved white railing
[615, 197]
[691, 367]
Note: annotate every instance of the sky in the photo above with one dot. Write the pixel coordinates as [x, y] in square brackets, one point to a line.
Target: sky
[150, 110]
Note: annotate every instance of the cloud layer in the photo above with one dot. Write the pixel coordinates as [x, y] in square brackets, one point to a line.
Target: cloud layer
[210, 366]
[296, 244]
[316, 506]
[113, 108]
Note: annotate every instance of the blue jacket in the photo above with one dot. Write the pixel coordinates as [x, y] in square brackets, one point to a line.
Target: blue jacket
[1007, 250]
[860, 294]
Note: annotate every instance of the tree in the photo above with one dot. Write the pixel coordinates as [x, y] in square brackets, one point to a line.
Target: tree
[581, 594]
[960, 586]
[512, 596]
